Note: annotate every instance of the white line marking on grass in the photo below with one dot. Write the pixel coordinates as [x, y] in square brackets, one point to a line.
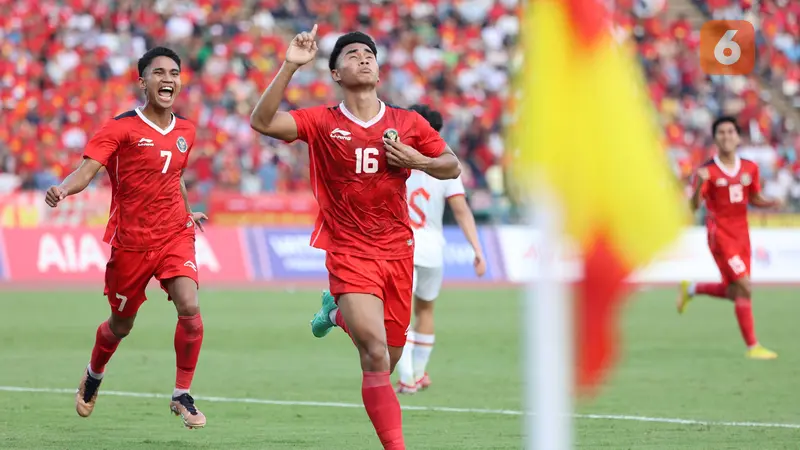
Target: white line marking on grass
[505, 412]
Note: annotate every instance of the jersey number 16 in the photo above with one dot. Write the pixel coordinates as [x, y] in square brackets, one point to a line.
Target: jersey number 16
[366, 161]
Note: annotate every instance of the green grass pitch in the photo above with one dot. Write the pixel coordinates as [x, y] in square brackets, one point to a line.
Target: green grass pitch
[258, 346]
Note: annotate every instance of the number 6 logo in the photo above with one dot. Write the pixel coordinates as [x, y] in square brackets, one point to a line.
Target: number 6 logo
[727, 47]
[727, 43]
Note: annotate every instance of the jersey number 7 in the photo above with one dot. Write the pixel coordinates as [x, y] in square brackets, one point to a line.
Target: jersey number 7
[168, 155]
[366, 161]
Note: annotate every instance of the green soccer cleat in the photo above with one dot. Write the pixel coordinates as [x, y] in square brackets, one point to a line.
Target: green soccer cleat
[321, 323]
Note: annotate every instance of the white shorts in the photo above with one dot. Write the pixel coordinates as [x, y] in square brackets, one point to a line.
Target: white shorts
[427, 282]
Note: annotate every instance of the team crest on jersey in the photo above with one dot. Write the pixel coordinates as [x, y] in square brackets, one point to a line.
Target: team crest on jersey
[721, 182]
[182, 145]
[746, 180]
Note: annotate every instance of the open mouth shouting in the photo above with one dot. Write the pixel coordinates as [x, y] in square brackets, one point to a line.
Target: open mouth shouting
[165, 93]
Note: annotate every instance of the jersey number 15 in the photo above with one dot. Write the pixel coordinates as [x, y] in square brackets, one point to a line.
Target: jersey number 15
[736, 192]
[366, 161]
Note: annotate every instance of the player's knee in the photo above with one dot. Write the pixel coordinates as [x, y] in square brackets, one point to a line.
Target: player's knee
[187, 309]
[374, 355]
[120, 326]
[745, 291]
[186, 303]
[742, 289]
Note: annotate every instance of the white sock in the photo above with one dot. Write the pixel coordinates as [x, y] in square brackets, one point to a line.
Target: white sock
[332, 315]
[178, 392]
[95, 375]
[405, 366]
[423, 346]
[692, 289]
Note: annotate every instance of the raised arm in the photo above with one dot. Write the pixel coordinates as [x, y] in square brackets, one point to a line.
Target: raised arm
[74, 182]
[265, 118]
[98, 151]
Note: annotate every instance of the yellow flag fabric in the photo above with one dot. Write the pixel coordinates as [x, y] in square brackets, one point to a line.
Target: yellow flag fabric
[586, 129]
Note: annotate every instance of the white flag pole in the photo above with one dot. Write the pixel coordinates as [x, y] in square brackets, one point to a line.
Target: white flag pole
[548, 336]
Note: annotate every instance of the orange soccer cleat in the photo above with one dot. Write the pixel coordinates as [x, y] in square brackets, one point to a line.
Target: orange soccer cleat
[183, 406]
[86, 397]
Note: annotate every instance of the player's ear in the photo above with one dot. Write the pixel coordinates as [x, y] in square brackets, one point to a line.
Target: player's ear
[335, 75]
[142, 83]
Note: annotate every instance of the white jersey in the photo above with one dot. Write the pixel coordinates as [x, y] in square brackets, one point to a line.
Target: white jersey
[426, 199]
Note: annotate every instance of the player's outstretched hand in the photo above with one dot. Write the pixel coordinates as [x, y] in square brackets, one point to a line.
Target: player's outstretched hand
[401, 155]
[197, 217]
[480, 265]
[54, 195]
[303, 47]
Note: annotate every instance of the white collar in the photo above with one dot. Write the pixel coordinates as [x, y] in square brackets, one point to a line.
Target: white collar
[360, 122]
[731, 173]
[154, 126]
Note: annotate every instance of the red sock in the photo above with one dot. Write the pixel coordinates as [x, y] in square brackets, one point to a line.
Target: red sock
[383, 409]
[105, 344]
[188, 339]
[712, 289]
[340, 321]
[744, 315]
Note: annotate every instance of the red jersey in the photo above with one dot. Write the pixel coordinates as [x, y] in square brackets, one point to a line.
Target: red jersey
[144, 164]
[362, 200]
[727, 194]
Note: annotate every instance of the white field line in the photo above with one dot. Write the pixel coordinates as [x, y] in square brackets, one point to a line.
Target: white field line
[505, 412]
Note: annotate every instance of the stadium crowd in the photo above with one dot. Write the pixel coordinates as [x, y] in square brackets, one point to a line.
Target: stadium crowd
[68, 65]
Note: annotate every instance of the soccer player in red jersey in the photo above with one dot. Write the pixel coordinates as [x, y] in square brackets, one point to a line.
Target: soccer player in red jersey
[728, 184]
[151, 228]
[358, 176]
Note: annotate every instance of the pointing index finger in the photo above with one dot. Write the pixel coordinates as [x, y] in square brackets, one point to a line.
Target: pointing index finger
[314, 31]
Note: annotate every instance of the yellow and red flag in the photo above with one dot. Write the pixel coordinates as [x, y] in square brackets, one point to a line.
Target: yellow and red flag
[586, 129]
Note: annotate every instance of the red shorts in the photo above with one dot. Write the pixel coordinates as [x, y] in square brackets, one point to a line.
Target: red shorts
[128, 271]
[733, 261]
[389, 280]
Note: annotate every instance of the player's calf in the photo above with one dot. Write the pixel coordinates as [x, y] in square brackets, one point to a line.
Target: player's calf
[364, 315]
[188, 342]
[107, 338]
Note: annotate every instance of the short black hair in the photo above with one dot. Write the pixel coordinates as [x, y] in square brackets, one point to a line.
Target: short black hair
[725, 119]
[154, 53]
[355, 37]
[433, 117]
